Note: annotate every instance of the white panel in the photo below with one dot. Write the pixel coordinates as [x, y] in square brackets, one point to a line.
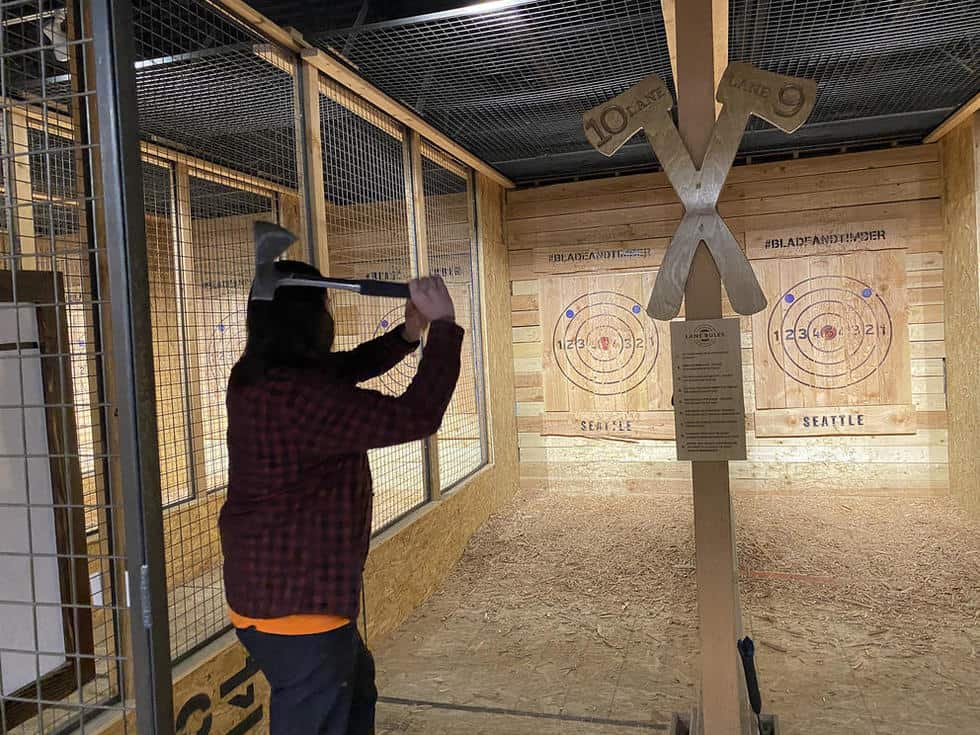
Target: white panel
[24, 467]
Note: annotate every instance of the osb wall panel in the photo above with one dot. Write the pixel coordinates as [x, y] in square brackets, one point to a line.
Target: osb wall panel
[218, 690]
[219, 685]
[820, 208]
[961, 204]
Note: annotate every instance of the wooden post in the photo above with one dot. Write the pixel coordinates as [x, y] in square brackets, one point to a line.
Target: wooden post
[19, 188]
[316, 201]
[702, 55]
[188, 293]
[416, 209]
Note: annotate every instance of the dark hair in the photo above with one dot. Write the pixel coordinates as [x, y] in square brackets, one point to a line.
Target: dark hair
[294, 330]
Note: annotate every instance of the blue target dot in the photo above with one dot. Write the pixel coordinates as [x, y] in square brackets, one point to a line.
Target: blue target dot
[790, 298]
[867, 293]
[384, 323]
[221, 327]
[636, 308]
[569, 313]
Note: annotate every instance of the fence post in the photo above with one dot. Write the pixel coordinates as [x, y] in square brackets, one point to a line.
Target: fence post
[125, 236]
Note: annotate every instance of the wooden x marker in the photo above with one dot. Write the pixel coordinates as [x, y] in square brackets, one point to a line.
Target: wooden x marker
[785, 102]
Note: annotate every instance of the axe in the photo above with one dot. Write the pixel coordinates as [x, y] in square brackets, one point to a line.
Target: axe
[271, 241]
[786, 102]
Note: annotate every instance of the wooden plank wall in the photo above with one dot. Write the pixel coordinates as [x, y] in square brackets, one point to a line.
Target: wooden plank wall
[629, 221]
[961, 204]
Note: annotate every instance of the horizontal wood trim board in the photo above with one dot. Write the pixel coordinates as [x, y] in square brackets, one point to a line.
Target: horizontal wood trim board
[794, 203]
[770, 488]
[848, 473]
[614, 229]
[923, 437]
[756, 172]
[733, 190]
[821, 451]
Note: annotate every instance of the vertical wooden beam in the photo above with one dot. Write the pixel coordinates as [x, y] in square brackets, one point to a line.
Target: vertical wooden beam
[670, 26]
[414, 188]
[316, 202]
[960, 157]
[719, 41]
[19, 190]
[702, 55]
[188, 294]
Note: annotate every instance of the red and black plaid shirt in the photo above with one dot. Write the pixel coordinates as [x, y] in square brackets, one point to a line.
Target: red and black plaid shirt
[296, 526]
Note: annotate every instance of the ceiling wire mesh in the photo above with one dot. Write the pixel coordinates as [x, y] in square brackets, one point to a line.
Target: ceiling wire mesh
[203, 88]
[870, 58]
[511, 84]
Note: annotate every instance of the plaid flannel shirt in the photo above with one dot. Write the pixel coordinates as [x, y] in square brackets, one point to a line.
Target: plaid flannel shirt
[296, 525]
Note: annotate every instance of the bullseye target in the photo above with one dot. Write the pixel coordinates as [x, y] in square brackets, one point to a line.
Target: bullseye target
[399, 377]
[604, 344]
[830, 331]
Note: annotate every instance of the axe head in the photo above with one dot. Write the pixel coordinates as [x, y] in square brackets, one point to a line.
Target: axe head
[271, 241]
[783, 101]
[615, 121]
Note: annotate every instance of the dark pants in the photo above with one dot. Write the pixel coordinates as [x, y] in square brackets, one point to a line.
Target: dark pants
[322, 684]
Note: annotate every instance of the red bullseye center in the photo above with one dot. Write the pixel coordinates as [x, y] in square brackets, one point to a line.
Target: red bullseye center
[828, 332]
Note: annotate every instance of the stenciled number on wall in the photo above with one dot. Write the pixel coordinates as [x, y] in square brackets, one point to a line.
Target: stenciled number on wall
[198, 707]
[604, 344]
[830, 332]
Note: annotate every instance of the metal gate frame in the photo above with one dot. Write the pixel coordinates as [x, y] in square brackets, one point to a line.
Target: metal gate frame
[125, 237]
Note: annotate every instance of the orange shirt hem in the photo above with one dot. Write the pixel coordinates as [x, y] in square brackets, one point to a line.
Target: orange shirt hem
[289, 624]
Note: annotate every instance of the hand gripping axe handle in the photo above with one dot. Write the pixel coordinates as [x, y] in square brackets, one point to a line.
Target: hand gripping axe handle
[271, 241]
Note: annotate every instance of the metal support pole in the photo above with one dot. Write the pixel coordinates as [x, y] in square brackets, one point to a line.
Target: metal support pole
[134, 399]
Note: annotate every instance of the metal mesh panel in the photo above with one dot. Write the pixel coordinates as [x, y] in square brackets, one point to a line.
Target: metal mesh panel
[60, 604]
[165, 316]
[368, 219]
[870, 59]
[215, 264]
[204, 86]
[510, 81]
[513, 83]
[449, 225]
[217, 112]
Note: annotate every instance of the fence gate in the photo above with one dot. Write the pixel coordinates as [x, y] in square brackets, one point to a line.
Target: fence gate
[82, 613]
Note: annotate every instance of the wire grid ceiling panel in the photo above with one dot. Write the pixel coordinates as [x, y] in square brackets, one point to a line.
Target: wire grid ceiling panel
[369, 236]
[513, 83]
[204, 91]
[203, 87]
[60, 660]
[451, 244]
[871, 58]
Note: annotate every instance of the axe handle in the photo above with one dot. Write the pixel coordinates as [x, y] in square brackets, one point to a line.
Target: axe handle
[386, 289]
[365, 287]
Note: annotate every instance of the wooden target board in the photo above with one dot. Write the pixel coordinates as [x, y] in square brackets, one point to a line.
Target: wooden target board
[830, 351]
[606, 363]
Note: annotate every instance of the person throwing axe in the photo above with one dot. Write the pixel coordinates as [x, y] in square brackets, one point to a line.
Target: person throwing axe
[296, 524]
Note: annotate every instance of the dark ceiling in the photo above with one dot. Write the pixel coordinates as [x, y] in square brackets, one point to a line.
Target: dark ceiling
[510, 79]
